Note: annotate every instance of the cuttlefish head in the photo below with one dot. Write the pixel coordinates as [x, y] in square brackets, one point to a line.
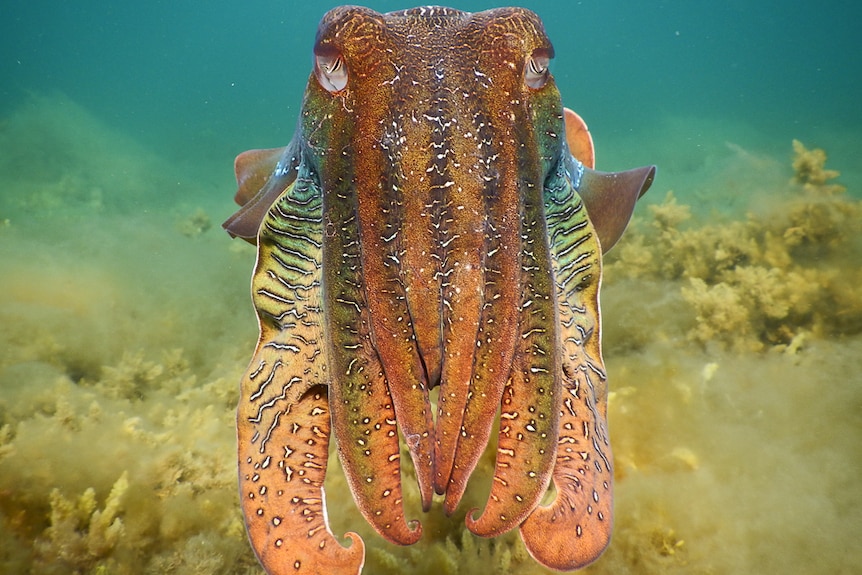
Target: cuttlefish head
[354, 74]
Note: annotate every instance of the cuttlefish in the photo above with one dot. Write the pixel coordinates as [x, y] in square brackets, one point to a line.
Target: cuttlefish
[435, 222]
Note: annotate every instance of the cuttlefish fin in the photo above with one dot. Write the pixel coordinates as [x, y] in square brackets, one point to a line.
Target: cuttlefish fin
[261, 177]
[610, 199]
[578, 138]
[252, 169]
[609, 196]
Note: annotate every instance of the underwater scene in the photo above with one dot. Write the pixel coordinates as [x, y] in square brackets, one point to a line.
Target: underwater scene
[732, 306]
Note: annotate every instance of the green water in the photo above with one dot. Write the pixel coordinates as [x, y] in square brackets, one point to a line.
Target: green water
[732, 326]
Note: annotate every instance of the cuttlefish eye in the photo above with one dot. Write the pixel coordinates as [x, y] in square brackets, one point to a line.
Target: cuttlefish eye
[330, 71]
[536, 72]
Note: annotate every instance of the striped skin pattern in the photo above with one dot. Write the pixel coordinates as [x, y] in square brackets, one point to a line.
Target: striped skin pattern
[582, 513]
[283, 417]
[428, 227]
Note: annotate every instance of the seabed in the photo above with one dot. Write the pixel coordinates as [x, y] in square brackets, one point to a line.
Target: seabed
[732, 338]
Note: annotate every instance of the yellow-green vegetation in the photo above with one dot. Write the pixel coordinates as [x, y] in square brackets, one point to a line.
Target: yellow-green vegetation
[732, 343]
[764, 281]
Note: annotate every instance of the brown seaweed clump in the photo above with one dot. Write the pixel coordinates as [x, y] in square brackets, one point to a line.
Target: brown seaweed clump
[129, 473]
[768, 280]
[809, 169]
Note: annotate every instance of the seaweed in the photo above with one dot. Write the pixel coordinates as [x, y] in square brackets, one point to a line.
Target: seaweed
[759, 283]
[79, 534]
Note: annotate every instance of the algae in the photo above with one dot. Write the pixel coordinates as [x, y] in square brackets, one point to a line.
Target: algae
[758, 282]
[733, 341]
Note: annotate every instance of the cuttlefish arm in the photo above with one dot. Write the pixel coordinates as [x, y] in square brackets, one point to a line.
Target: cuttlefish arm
[283, 419]
[554, 404]
[575, 528]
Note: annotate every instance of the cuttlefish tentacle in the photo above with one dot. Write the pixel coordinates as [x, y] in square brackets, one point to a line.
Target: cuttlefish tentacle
[575, 528]
[502, 168]
[364, 412]
[529, 414]
[283, 423]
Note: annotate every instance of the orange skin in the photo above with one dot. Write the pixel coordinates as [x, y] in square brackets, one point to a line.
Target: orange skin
[428, 226]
